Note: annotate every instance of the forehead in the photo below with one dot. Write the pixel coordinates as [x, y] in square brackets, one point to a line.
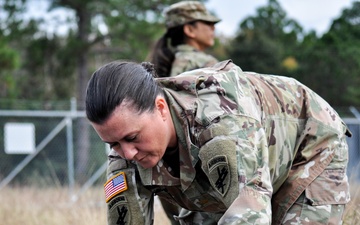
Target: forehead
[122, 120]
[125, 114]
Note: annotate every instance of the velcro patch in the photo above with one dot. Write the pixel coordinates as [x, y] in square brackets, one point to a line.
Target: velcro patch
[115, 185]
[119, 211]
[219, 173]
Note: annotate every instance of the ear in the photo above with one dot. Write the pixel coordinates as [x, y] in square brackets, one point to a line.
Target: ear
[162, 106]
[189, 30]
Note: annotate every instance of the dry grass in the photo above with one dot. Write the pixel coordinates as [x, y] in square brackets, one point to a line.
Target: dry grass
[36, 206]
[53, 206]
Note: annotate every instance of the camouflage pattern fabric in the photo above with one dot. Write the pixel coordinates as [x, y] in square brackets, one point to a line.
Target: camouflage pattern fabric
[135, 205]
[188, 58]
[253, 149]
[187, 11]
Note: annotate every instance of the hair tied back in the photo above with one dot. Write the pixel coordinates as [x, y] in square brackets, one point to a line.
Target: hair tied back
[150, 68]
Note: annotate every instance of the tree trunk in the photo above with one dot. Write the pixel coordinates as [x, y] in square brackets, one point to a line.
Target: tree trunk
[82, 78]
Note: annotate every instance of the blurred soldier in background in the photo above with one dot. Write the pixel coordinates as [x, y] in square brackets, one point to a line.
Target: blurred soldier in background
[190, 31]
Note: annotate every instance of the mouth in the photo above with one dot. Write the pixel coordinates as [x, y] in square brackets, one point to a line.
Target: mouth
[141, 158]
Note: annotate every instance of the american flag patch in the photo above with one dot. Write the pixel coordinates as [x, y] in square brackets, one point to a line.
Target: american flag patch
[115, 185]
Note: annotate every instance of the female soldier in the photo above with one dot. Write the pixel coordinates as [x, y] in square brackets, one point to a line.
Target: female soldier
[190, 31]
[242, 147]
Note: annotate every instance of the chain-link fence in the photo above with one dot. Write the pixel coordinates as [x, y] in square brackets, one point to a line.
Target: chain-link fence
[46, 148]
[354, 149]
[354, 144]
[67, 151]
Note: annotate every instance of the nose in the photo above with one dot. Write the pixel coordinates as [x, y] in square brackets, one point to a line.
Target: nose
[129, 151]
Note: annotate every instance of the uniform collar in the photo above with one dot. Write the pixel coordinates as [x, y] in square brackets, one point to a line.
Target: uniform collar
[185, 48]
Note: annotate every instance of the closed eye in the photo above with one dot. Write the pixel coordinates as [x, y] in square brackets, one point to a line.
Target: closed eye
[112, 145]
[131, 138]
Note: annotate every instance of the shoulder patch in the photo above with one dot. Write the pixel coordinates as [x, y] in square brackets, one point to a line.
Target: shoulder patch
[119, 211]
[115, 185]
[219, 173]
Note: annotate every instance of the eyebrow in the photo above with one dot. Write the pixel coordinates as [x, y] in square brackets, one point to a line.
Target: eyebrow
[130, 134]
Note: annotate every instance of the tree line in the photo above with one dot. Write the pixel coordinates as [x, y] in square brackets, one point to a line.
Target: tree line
[40, 65]
[266, 42]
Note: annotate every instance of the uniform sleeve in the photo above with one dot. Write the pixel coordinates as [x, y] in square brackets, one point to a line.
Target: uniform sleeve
[235, 158]
[128, 202]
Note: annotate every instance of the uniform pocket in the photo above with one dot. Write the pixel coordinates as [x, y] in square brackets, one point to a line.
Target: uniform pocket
[331, 187]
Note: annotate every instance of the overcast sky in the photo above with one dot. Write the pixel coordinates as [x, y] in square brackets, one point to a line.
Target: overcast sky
[310, 14]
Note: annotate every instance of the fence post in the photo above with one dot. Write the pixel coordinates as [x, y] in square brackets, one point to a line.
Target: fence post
[70, 145]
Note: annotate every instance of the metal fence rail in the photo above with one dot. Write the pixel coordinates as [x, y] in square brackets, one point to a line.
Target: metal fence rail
[54, 161]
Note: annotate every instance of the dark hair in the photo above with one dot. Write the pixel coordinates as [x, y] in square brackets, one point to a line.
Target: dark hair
[162, 55]
[118, 82]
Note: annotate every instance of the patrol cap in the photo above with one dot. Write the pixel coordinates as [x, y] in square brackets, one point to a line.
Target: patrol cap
[187, 11]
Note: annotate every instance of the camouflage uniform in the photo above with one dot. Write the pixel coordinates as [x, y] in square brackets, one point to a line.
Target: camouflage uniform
[188, 58]
[253, 149]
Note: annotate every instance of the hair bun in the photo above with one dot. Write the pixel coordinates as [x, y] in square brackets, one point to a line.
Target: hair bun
[150, 68]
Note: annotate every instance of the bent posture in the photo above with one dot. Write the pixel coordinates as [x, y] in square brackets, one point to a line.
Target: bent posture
[242, 148]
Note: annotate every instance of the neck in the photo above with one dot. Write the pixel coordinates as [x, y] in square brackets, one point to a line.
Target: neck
[195, 44]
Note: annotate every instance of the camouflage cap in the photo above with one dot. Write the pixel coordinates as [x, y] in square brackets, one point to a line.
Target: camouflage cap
[187, 11]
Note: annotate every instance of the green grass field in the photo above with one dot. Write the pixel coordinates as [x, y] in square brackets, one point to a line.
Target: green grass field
[37, 206]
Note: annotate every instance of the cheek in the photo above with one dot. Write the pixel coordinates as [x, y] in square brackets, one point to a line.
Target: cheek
[156, 136]
[154, 139]
[207, 37]
[156, 142]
